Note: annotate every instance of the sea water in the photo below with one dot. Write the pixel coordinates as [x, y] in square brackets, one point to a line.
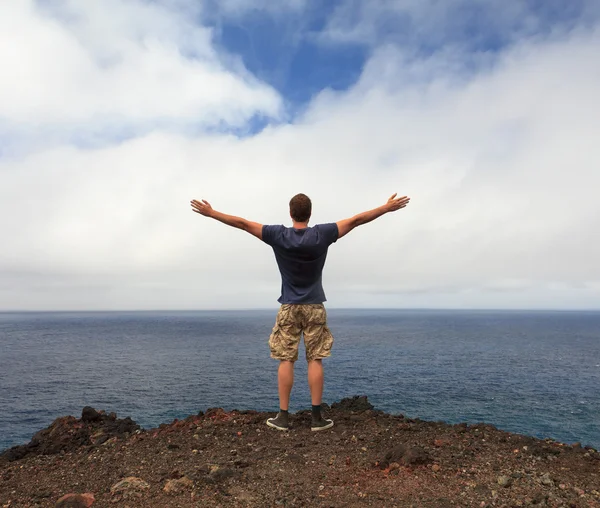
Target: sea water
[536, 373]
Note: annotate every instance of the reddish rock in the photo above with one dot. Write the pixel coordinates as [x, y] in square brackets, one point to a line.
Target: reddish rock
[179, 485]
[75, 501]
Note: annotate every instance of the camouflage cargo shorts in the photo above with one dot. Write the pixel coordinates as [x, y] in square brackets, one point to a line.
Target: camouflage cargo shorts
[294, 320]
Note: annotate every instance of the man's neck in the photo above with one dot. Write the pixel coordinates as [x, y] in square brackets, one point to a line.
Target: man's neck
[299, 225]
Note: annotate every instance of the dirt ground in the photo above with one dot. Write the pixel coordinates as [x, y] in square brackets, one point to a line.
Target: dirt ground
[221, 458]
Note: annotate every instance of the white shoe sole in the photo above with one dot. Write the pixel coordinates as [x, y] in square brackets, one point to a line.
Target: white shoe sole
[317, 429]
[273, 426]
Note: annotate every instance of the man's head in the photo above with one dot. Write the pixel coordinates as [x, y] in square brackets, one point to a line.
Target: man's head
[300, 208]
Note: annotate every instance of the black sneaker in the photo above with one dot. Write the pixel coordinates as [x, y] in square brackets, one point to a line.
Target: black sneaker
[280, 422]
[321, 424]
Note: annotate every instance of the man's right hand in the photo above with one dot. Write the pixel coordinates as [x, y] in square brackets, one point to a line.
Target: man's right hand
[395, 203]
[202, 207]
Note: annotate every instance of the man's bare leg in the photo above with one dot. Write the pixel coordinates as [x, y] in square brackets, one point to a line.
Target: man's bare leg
[315, 383]
[285, 381]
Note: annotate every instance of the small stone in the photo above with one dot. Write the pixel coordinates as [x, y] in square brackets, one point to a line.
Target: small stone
[504, 481]
[75, 501]
[321, 487]
[220, 474]
[179, 485]
[562, 486]
[546, 480]
[578, 491]
[353, 439]
[364, 449]
[393, 466]
[435, 468]
[131, 484]
[413, 455]
[331, 460]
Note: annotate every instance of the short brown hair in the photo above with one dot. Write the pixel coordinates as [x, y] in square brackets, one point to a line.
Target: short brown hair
[300, 208]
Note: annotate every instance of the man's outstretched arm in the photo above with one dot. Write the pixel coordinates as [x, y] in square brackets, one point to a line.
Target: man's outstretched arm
[203, 208]
[393, 204]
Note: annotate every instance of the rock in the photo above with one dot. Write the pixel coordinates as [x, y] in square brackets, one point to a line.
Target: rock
[435, 468]
[356, 403]
[393, 466]
[129, 485]
[546, 480]
[67, 434]
[89, 414]
[179, 485]
[75, 501]
[406, 455]
[218, 474]
[504, 481]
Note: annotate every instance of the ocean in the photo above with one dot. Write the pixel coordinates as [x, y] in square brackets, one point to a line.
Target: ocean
[535, 373]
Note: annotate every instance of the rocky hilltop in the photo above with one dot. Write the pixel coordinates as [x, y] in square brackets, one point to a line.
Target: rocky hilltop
[231, 458]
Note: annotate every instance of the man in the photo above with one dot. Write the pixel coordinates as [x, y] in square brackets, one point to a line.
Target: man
[300, 252]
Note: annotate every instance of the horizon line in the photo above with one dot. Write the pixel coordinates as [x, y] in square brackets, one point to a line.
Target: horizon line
[262, 309]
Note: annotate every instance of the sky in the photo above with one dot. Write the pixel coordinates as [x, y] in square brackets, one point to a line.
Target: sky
[114, 114]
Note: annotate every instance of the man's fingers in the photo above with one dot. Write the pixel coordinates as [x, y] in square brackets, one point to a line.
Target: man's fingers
[399, 203]
[393, 196]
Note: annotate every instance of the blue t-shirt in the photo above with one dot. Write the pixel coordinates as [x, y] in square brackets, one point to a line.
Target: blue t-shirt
[300, 255]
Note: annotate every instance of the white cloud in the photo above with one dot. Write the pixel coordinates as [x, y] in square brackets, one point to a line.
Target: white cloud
[502, 167]
[92, 66]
